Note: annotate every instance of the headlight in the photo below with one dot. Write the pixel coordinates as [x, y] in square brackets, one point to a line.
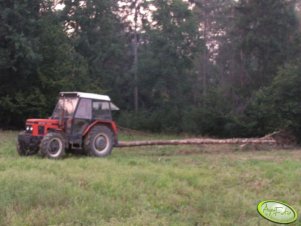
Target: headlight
[28, 128]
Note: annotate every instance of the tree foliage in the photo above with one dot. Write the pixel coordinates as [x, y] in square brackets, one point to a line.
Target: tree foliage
[219, 68]
[98, 35]
[37, 61]
[278, 105]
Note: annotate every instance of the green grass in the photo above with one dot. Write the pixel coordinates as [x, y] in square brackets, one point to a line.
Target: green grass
[174, 185]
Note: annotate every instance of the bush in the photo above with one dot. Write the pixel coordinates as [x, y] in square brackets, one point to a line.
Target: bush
[279, 105]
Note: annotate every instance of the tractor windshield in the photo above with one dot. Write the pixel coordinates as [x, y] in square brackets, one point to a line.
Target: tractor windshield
[65, 107]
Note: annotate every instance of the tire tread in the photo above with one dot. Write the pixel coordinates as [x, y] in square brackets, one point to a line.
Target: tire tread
[90, 136]
[45, 141]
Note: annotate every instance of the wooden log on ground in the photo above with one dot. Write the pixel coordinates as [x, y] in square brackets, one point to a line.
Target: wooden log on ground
[197, 141]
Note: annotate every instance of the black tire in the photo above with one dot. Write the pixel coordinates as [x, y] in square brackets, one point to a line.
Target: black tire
[99, 141]
[53, 145]
[25, 151]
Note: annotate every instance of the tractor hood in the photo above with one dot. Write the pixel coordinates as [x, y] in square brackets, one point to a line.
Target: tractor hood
[42, 121]
[40, 127]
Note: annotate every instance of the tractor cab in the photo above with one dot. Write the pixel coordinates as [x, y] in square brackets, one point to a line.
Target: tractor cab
[83, 105]
[76, 118]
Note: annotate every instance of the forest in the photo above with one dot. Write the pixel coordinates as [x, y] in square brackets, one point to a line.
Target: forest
[221, 68]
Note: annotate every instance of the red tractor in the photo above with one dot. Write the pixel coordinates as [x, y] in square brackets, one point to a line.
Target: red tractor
[79, 121]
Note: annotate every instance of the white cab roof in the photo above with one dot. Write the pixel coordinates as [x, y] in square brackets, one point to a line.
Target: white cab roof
[92, 96]
[88, 95]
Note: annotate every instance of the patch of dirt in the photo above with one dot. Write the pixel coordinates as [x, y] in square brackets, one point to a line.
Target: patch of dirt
[211, 149]
[128, 131]
[188, 152]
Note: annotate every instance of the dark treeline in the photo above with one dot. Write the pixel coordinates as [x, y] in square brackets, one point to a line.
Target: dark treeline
[221, 67]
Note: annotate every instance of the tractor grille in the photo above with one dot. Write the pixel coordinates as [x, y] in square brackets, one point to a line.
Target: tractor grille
[40, 130]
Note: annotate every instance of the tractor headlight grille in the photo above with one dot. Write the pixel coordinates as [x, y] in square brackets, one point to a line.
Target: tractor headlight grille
[41, 130]
[28, 129]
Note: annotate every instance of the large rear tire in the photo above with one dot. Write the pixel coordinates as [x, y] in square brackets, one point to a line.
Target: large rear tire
[99, 141]
[53, 146]
[24, 150]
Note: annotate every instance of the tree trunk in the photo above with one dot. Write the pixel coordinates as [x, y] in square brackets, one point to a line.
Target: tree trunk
[135, 63]
[197, 141]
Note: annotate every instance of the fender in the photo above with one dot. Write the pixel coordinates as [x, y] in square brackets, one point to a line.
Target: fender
[110, 124]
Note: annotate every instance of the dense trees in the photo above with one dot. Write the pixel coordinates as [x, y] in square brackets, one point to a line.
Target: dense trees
[262, 39]
[220, 67]
[37, 61]
[265, 35]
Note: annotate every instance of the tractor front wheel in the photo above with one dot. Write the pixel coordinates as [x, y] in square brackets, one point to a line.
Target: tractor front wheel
[99, 141]
[23, 147]
[53, 146]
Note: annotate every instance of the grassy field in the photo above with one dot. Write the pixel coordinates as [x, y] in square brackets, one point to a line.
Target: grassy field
[175, 185]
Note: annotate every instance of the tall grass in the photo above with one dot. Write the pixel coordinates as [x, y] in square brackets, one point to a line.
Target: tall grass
[176, 185]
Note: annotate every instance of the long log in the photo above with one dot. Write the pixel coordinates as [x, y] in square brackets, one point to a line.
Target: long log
[196, 141]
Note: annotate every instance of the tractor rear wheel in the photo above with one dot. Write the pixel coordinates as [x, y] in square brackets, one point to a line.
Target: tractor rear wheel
[53, 145]
[99, 141]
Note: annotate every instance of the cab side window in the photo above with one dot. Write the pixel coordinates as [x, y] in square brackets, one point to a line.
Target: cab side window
[101, 110]
[84, 109]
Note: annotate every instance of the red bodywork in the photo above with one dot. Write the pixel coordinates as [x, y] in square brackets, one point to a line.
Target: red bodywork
[54, 124]
[110, 124]
[46, 123]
